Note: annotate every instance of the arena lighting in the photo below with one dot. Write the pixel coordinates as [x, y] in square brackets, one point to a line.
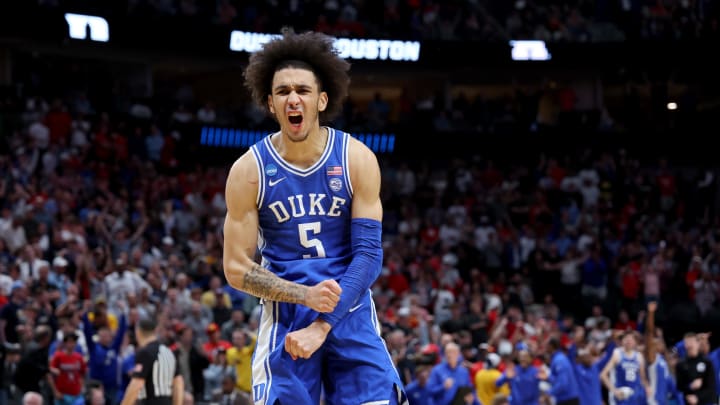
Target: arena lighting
[672, 106]
[370, 49]
[78, 25]
[529, 50]
[242, 138]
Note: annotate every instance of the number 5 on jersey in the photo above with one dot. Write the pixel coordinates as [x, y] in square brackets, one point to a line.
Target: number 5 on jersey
[304, 231]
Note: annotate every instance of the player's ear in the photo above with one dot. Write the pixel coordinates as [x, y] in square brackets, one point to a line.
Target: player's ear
[270, 104]
[323, 101]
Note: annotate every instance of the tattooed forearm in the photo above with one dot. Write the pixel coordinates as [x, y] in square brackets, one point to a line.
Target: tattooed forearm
[262, 283]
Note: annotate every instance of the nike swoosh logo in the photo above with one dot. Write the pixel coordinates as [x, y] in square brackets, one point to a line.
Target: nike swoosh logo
[353, 309]
[276, 181]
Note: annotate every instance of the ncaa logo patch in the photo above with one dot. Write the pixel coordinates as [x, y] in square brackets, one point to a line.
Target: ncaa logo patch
[335, 184]
[271, 170]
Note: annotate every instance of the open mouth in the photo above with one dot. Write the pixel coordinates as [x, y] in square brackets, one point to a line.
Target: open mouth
[295, 119]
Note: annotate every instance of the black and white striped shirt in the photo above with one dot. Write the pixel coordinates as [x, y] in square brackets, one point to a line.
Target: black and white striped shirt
[156, 364]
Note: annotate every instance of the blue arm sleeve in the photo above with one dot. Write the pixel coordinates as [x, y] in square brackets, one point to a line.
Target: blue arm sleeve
[364, 269]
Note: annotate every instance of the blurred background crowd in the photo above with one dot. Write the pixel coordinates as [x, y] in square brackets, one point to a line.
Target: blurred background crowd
[495, 261]
[571, 21]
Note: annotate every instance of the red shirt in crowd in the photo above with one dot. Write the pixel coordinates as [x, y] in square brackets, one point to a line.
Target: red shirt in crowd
[72, 369]
[631, 280]
[211, 348]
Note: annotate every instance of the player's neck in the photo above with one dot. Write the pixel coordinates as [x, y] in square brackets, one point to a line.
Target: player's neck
[145, 340]
[302, 153]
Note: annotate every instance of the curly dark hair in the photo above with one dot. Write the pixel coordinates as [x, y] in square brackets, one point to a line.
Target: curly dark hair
[309, 50]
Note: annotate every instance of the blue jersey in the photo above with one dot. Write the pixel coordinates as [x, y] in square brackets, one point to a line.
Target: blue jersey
[524, 387]
[627, 374]
[715, 359]
[304, 220]
[588, 378]
[304, 214]
[662, 383]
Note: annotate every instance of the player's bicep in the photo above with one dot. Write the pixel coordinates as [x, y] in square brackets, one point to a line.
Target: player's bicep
[241, 222]
[365, 179]
[240, 236]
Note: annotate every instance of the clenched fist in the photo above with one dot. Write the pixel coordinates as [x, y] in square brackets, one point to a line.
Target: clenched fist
[304, 342]
[324, 296]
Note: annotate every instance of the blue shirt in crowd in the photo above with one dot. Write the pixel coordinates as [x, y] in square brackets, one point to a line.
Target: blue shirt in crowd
[562, 378]
[524, 386]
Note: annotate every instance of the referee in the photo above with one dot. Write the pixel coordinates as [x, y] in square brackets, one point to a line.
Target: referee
[156, 377]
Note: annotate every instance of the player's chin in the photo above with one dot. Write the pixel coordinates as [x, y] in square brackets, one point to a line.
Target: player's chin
[298, 135]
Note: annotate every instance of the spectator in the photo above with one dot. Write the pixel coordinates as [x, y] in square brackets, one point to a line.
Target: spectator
[214, 343]
[9, 357]
[240, 356]
[33, 373]
[524, 379]
[448, 377]
[486, 378]
[32, 398]
[9, 319]
[587, 373]
[417, 390]
[104, 353]
[68, 369]
[229, 394]
[191, 361]
[236, 321]
[562, 376]
[695, 374]
[215, 372]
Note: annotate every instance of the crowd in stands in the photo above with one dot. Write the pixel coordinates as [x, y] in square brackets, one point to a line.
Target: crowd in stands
[557, 21]
[105, 216]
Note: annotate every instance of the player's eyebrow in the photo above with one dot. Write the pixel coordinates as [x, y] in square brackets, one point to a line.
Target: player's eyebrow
[289, 86]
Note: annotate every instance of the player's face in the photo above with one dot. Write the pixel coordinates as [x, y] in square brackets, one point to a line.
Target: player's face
[296, 101]
[628, 342]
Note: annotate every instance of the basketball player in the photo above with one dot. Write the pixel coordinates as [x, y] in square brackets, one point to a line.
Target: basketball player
[660, 381]
[624, 375]
[308, 196]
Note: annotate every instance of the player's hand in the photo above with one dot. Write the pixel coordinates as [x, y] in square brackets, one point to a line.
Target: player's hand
[691, 399]
[652, 306]
[469, 398]
[323, 296]
[618, 394]
[304, 342]
[696, 384]
[448, 383]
